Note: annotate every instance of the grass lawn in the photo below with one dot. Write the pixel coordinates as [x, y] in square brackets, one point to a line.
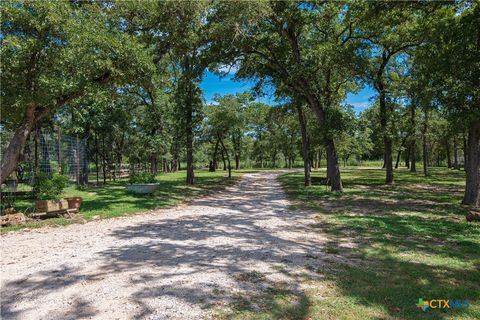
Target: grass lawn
[388, 247]
[113, 200]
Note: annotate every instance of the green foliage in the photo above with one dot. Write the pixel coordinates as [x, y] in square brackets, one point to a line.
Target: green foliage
[52, 51]
[8, 200]
[49, 188]
[142, 178]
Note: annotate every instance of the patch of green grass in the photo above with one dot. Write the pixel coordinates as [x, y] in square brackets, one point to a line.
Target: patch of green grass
[113, 199]
[274, 303]
[410, 241]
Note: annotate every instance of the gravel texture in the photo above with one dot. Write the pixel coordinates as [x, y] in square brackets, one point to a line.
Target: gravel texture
[167, 264]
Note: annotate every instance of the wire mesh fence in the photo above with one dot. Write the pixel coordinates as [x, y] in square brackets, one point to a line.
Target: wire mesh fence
[50, 153]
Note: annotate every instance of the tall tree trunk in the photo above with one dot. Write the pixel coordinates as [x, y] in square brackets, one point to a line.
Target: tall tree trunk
[215, 155]
[176, 162]
[465, 158]
[425, 146]
[447, 149]
[400, 152]
[104, 161]
[387, 140]
[237, 161]
[472, 185]
[333, 170]
[303, 130]
[407, 157]
[189, 124]
[224, 161]
[228, 158]
[96, 156]
[319, 159]
[456, 165]
[189, 131]
[413, 147]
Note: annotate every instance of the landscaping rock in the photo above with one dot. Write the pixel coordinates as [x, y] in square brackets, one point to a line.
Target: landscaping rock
[9, 211]
[473, 216]
[12, 219]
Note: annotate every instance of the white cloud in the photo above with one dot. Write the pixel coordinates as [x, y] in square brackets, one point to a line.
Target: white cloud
[361, 105]
[228, 69]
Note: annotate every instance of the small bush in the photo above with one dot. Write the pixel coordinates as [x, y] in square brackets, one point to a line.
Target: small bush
[48, 188]
[142, 178]
[8, 201]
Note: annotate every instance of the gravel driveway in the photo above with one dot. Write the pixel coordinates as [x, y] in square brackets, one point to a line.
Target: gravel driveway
[169, 264]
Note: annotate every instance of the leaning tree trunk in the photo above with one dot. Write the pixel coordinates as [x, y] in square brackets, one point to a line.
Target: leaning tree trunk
[34, 113]
[13, 152]
[306, 162]
[472, 169]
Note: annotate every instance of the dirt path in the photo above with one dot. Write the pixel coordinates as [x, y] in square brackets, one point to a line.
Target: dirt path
[170, 264]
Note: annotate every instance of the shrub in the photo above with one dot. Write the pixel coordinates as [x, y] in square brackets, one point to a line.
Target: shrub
[142, 178]
[48, 188]
[8, 201]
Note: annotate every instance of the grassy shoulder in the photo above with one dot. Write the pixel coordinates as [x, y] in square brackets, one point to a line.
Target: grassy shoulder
[388, 246]
[113, 199]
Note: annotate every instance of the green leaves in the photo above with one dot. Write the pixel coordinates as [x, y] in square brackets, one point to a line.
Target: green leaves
[49, 188]
[54, 49]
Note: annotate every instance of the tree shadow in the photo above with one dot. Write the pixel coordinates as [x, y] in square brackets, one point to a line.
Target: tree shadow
[398, 250]
[197, 261]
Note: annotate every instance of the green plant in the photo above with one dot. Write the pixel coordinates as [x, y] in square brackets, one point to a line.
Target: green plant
[48, 188]
[8, 200]
[142, 178]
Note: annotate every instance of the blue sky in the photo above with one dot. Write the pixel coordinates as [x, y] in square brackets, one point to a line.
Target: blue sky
[213, 84]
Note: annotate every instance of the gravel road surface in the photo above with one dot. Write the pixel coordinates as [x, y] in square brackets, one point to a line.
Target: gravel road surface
[167, 264]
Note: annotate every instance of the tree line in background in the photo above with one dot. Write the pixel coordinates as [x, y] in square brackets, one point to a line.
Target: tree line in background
[127, 76]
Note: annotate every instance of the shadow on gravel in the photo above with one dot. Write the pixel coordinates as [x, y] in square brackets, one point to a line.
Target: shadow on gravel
[198, 245]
